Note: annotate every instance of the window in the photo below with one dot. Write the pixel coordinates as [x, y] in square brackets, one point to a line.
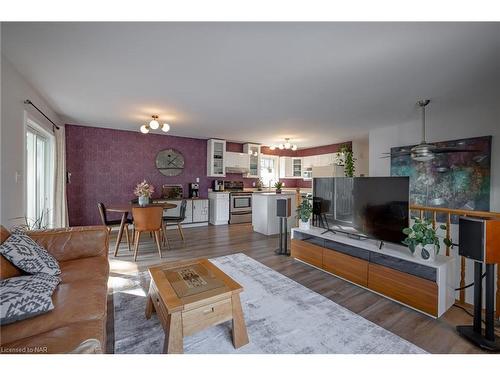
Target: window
[39, 176]
[269, 170]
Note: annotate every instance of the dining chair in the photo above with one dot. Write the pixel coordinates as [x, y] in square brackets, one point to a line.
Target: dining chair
[113, 223]
[176, 219]
[147, 219]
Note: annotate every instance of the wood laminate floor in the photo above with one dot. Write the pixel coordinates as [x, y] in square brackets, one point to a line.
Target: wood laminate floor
[433, 335]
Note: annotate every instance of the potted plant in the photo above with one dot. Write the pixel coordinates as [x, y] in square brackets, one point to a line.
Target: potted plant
[144, 191]
[421, 238]
[305, 210]
[278, 186]
[346, 159]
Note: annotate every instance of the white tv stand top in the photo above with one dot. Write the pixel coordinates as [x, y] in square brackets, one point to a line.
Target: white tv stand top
[391, 249]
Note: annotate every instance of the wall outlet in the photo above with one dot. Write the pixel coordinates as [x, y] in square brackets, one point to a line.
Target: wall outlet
[197, 179]
[18, 177]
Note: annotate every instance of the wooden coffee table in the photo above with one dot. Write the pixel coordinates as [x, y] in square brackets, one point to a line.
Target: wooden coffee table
[190, 296]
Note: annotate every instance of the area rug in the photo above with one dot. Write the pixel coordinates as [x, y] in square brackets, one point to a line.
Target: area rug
[282, 316]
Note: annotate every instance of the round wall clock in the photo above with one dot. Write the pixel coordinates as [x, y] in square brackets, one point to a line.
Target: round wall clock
[170, 162]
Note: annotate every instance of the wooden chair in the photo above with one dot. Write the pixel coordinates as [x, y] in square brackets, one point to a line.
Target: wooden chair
[176, 220]
[113, 223]
[147, 219]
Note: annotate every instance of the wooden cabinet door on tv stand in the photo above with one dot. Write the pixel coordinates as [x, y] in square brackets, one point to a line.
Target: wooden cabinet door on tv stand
[346, 266]
[307, 252]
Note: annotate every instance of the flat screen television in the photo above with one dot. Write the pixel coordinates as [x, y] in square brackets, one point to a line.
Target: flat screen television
[371, 207]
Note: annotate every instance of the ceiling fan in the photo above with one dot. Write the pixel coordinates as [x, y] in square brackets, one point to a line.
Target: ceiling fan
[424, 151]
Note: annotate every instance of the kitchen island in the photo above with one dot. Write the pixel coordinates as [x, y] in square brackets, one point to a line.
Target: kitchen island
[264, 219]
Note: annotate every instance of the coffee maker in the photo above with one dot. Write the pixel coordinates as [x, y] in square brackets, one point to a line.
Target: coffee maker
[194, 190]
[218, 185]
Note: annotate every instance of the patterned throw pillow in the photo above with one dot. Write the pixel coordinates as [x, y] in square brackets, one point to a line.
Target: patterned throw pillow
[24, 297]
[26, 254]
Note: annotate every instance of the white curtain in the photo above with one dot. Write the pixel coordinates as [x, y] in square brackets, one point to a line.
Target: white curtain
[60, 217]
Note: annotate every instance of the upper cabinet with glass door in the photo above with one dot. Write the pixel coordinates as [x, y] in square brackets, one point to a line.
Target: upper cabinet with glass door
[253, 151]
[216, 158]
[297, 167]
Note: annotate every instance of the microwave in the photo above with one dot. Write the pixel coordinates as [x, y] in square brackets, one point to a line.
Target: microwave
[307, 173]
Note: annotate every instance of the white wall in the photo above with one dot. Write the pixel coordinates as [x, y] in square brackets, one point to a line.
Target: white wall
[360, 150]
[444, 122]
[14, 90]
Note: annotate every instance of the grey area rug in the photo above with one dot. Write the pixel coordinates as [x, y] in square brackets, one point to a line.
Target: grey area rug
[282, 316]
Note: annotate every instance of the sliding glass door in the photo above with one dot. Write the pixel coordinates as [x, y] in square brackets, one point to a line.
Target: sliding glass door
[39, 177]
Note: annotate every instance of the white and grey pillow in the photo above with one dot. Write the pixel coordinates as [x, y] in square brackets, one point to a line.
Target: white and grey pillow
[22, 251]
[24, 297]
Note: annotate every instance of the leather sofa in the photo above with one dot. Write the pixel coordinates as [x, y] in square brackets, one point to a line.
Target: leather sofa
[80, 300]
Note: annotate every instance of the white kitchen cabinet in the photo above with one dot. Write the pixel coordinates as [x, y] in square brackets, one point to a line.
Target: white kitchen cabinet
[216, 158]
[290, 167]
[308, 161]
[218, 208]
[200, 210]
[253, 152]
[286, 169]
[325, 159]
[297, 167]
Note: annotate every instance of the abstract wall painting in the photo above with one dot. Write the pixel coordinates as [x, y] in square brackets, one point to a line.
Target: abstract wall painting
[459, 180]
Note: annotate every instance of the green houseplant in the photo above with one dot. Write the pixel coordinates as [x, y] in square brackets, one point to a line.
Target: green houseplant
[421, 236]
[278, 186]
[346, 158]
[304, 211]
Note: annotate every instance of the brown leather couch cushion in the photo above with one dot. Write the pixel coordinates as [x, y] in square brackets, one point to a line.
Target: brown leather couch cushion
[73, 243]
[60, 340]
[79, 301]
[79, 269]
[7, 269]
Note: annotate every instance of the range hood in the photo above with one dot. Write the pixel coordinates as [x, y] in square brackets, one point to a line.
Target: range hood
[237, 170]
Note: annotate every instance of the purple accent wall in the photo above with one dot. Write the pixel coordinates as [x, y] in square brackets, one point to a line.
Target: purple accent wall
[106, 164]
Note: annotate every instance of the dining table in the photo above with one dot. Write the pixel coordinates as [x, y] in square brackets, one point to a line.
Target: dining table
[124, 210]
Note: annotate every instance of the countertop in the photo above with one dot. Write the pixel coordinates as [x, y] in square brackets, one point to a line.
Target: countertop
[268, 194]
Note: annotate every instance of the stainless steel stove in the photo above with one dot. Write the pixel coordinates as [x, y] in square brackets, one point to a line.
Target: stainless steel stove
[240, 207]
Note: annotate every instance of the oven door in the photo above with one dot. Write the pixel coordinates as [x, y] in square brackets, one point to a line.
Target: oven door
[241, 203]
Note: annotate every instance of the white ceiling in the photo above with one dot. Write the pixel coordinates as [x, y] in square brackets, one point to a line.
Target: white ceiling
[314, 82]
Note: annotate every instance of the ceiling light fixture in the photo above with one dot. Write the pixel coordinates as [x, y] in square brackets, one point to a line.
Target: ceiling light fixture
[284, 146]
[154, 124]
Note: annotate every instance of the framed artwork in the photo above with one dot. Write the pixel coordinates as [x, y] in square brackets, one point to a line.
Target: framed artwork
[459, 180]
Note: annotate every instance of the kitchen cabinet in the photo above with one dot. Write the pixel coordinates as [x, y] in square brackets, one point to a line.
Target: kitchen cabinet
[219, 208]
[253, 151]
[297, 167]
[290, 167]
[216, 158]
[286, 168]
[200, 210]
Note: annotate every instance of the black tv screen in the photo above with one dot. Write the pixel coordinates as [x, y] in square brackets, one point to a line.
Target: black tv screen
[373, 207]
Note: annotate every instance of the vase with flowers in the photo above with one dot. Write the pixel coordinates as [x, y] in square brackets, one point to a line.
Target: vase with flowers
[144, 191]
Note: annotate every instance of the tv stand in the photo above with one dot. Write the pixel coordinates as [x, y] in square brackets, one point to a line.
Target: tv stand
[393, 272]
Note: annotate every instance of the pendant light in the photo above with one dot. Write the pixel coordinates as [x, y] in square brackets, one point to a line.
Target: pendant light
[154, 124]
[285, 146]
